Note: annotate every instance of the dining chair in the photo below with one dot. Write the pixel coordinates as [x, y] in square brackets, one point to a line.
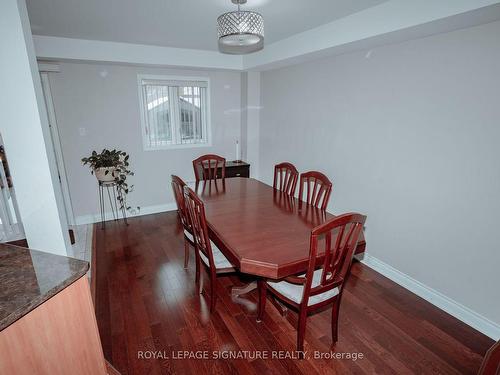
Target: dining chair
[206, 251]
[332, 246]
[317, 188]
[285, 177]
[206, 167]
[178, 188]
[491, 361]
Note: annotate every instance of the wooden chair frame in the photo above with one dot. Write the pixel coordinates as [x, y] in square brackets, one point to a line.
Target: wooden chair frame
[340, 237]
[196, 212]
[491, 361]
[285, 178]
[316, 187]
[178, 189]
[206, 166]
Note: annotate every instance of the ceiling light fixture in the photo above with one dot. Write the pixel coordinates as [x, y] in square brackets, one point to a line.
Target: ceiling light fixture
[240, 32]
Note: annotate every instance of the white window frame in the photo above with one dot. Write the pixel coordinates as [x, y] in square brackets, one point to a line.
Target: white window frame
[145, 143]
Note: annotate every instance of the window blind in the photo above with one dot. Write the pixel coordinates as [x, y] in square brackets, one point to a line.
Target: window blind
[174, 112]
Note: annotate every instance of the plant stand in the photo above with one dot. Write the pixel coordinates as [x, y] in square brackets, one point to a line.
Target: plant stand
[112, 197]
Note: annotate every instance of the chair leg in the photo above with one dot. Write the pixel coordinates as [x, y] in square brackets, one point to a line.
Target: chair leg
[301, 329]
[335, 320]
[186, 253]
[262, 299]
[213, 294]
[197, 274]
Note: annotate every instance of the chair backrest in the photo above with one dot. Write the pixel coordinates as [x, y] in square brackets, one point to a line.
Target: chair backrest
[178, 188]
[196, 213]
[206, 167]
[332, 247]
[317, 188]
[285, 177]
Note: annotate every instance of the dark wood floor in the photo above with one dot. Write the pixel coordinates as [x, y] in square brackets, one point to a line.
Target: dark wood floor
[146, 301]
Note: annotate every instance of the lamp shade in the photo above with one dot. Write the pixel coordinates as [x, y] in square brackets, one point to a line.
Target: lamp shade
[240, 32]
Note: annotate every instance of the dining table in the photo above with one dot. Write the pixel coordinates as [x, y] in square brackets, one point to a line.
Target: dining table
[262, 231]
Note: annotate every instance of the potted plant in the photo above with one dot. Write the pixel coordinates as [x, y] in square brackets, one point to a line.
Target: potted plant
[109, 166]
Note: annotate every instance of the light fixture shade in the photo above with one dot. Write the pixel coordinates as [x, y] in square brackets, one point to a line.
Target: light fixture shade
[240, 32]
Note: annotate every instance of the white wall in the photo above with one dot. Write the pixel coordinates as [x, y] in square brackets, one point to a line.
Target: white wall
[250, 120]
[244, 115]
[103, 100]
[25, 131]
[409, 133]
[253, 107]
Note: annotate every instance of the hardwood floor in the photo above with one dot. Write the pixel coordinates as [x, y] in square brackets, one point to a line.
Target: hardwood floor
[146, 305]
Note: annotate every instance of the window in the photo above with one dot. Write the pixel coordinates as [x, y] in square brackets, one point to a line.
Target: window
[175, 111]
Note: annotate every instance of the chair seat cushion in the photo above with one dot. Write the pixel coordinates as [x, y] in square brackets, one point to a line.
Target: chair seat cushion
[295, 291]
[188, 235]
[219, 259]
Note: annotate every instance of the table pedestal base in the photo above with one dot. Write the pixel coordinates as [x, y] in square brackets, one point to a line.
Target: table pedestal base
[279, 306]
[238, 291]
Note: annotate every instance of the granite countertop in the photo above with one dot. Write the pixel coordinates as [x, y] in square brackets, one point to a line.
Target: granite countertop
[28, 278]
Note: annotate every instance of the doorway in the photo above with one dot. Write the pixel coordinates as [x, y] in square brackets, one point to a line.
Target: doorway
[56, 143]
[11, 227]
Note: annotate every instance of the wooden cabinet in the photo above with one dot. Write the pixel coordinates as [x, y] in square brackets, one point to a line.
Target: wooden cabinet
[59, 337]
[240, 169]
[233, 169]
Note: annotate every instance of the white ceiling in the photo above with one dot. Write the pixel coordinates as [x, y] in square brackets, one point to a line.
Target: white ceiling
[178, 23]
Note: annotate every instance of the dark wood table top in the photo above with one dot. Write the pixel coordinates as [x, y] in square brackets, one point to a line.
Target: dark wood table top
[260, 230]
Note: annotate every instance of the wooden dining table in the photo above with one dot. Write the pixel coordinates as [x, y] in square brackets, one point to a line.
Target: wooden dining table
[262, 231]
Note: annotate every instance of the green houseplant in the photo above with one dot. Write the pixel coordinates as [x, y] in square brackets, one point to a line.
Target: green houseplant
[109, 166]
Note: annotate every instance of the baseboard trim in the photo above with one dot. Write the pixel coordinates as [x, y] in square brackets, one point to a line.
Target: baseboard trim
[146, 210]
[459, 311]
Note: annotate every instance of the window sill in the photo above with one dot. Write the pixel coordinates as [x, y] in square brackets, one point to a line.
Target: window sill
[177, 147]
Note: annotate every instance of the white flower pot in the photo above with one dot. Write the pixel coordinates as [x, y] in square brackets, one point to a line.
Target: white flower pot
[101, 175]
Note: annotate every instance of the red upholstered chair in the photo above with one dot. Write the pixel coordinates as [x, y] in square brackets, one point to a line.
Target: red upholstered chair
[332, 246]
[209, 167]
[316, 187]
[285, 178]
[206, 251]
[178, 188]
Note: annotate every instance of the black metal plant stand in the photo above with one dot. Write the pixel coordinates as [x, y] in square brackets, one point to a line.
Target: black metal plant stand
[112, 197]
